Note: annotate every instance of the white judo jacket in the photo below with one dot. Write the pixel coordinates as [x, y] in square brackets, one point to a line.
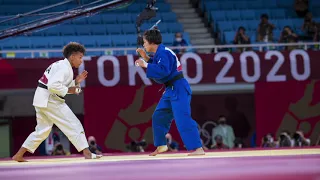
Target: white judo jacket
[57, 78]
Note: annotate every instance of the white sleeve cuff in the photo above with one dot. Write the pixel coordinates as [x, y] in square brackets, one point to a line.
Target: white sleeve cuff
[73, 83]
[64, 92]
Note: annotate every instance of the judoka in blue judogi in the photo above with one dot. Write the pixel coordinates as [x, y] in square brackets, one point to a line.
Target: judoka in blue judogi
[165, 68]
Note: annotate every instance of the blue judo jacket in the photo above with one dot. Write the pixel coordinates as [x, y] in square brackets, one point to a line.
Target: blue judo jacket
[163, 66]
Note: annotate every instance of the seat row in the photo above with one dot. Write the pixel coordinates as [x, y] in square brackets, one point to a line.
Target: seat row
[252, 25]
[107, 29]
[24, 42]
[238, 5]
[252, 14]
[133, 8]
[104, 18]
[228, 36]
[49, 2]
[250, 4]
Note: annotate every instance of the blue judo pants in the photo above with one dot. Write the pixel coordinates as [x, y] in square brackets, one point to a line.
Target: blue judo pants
[175, 104]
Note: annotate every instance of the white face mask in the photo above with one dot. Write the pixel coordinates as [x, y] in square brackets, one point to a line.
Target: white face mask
[179, 39]
[271, 140]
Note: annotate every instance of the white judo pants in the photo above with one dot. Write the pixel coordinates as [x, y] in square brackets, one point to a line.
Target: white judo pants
[57, 112]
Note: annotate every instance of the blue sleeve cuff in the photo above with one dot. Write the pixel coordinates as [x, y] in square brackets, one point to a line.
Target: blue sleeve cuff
[148, 71]
[151, 71]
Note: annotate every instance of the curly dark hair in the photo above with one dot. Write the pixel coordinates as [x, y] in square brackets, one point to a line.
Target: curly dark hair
[153, 36]
[73, 47]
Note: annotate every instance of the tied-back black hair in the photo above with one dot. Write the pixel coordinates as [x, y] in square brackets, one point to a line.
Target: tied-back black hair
[153, 36]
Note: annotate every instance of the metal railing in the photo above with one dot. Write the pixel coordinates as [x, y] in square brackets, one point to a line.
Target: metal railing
[216, 48]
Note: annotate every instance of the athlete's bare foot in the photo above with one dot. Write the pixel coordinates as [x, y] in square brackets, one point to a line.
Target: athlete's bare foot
[154, 153]
[160, 149]
[93, 156]
[19, 158]
[197, 152]
[88, 155]
[19, 155]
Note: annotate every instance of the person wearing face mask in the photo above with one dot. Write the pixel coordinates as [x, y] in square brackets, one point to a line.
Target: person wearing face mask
[179, 41]
[225, 131]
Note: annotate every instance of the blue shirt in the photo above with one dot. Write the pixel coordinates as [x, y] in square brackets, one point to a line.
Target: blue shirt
[163, 66]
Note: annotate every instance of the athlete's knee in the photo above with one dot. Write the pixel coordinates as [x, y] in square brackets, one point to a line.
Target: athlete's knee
[43, 129]
[47, 132]
[40, 136]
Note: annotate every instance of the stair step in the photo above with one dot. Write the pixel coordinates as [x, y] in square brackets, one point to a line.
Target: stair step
[193, 26]
[197, 30]
[190, 20]
[202, 43]
[207, 41]
[181, 11]
[177, 1]
[204, 51]
[181, 6]
[187, 15]
[200, 36]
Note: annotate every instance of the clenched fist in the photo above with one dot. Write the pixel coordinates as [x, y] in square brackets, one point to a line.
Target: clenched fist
[141, 63]
[74, 90]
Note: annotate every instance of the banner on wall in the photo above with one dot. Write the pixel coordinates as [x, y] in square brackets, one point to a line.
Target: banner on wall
[288, 106]
[219, 68]
[118, 115]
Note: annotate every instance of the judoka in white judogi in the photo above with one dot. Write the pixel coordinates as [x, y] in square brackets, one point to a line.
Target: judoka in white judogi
[56, 82]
